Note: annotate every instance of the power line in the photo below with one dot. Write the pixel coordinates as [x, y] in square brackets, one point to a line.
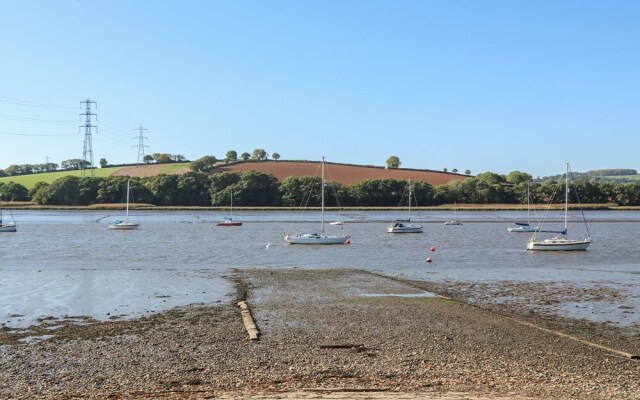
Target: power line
[27, 119]
[13, 100]
[87, 150]
[141, 144]
[30, 134]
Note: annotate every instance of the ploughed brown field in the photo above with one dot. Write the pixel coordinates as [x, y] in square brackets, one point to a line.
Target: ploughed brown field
[148, 170]
[345, 174]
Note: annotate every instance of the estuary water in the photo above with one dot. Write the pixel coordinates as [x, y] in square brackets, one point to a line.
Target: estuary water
[68, 263]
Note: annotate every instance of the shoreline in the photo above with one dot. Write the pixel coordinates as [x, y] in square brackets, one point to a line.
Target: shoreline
[447, 207]
[319, 334]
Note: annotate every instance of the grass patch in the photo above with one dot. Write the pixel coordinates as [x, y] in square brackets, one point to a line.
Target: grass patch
[30, 180]
[622, 177]
[172, 168]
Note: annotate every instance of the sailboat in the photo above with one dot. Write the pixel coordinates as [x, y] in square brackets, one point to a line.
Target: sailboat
[405, 225]
[8, 226]
[525, 226]
[562, 243]
[228, 221]
[454, 221]
[317, 237]
[125, 224]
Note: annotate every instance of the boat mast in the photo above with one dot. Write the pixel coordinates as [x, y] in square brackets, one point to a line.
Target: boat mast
[231, 204]
[127, 199]
[322, 199]
[409, 199]
[566, 197]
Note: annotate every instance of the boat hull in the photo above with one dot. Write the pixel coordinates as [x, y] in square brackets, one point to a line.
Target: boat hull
[127, 226]
[8, 228]
[523, 229]
[558, 244]
[453, 223]
[315, 239]
[229, 223]
[405, 229]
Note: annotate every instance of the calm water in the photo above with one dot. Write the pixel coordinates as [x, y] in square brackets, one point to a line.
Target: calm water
[69, 263]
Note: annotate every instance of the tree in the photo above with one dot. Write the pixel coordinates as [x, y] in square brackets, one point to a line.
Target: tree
[148, 158]
[300, 191]
[250, 188]
[490, 177]
[162, 158]
[232, 155]
[75, 163]
[178, 157]
[445, 169]
[467, 172]
[455, 170]
[64, 191]
[12, 191]
[103, 163]
[259, 154]
[518, 177]
[193, 189]
[164, 189]
[393, 162]
[39, 193]
[245, 156]
[88, 190]
[275, 156]
[203, 164]
[257, 189]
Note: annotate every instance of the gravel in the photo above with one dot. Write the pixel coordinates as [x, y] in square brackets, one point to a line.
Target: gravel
[319, 334]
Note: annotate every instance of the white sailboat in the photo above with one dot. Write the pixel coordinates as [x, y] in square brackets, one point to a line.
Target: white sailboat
[124, 224]
[455, 220]
[317, 237]
[7, 226]
[525, 226]
[563, 242]
[405, 225]
[229, 221]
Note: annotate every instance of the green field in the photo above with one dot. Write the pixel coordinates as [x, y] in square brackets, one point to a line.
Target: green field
[622, 177]
[29, 181]
[171, 168]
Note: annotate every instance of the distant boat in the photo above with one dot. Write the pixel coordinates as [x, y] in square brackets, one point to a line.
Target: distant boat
[228, 221]
[525, 226]
[405, 225]
[454, 221]
[125, 224]
[563, 242]
[7, 226]
[317, 237]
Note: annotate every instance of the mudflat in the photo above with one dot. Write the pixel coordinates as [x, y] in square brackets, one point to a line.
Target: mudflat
[335, 334]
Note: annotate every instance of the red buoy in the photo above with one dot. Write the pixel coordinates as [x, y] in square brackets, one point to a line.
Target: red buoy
[348, 241]
[433, 248]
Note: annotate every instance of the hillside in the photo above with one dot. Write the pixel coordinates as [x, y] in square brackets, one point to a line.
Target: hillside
[30, 180]
[345, 174]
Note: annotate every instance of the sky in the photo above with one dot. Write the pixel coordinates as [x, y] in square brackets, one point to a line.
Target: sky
[473, 85]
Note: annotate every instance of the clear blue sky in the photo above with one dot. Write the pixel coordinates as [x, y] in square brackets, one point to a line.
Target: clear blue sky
[479, 85]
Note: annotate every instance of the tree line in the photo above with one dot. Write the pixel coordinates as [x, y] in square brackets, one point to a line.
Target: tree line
[252, 188]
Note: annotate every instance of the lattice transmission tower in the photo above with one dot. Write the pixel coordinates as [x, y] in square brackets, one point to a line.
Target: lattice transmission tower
[87, 149]
[140, 144]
